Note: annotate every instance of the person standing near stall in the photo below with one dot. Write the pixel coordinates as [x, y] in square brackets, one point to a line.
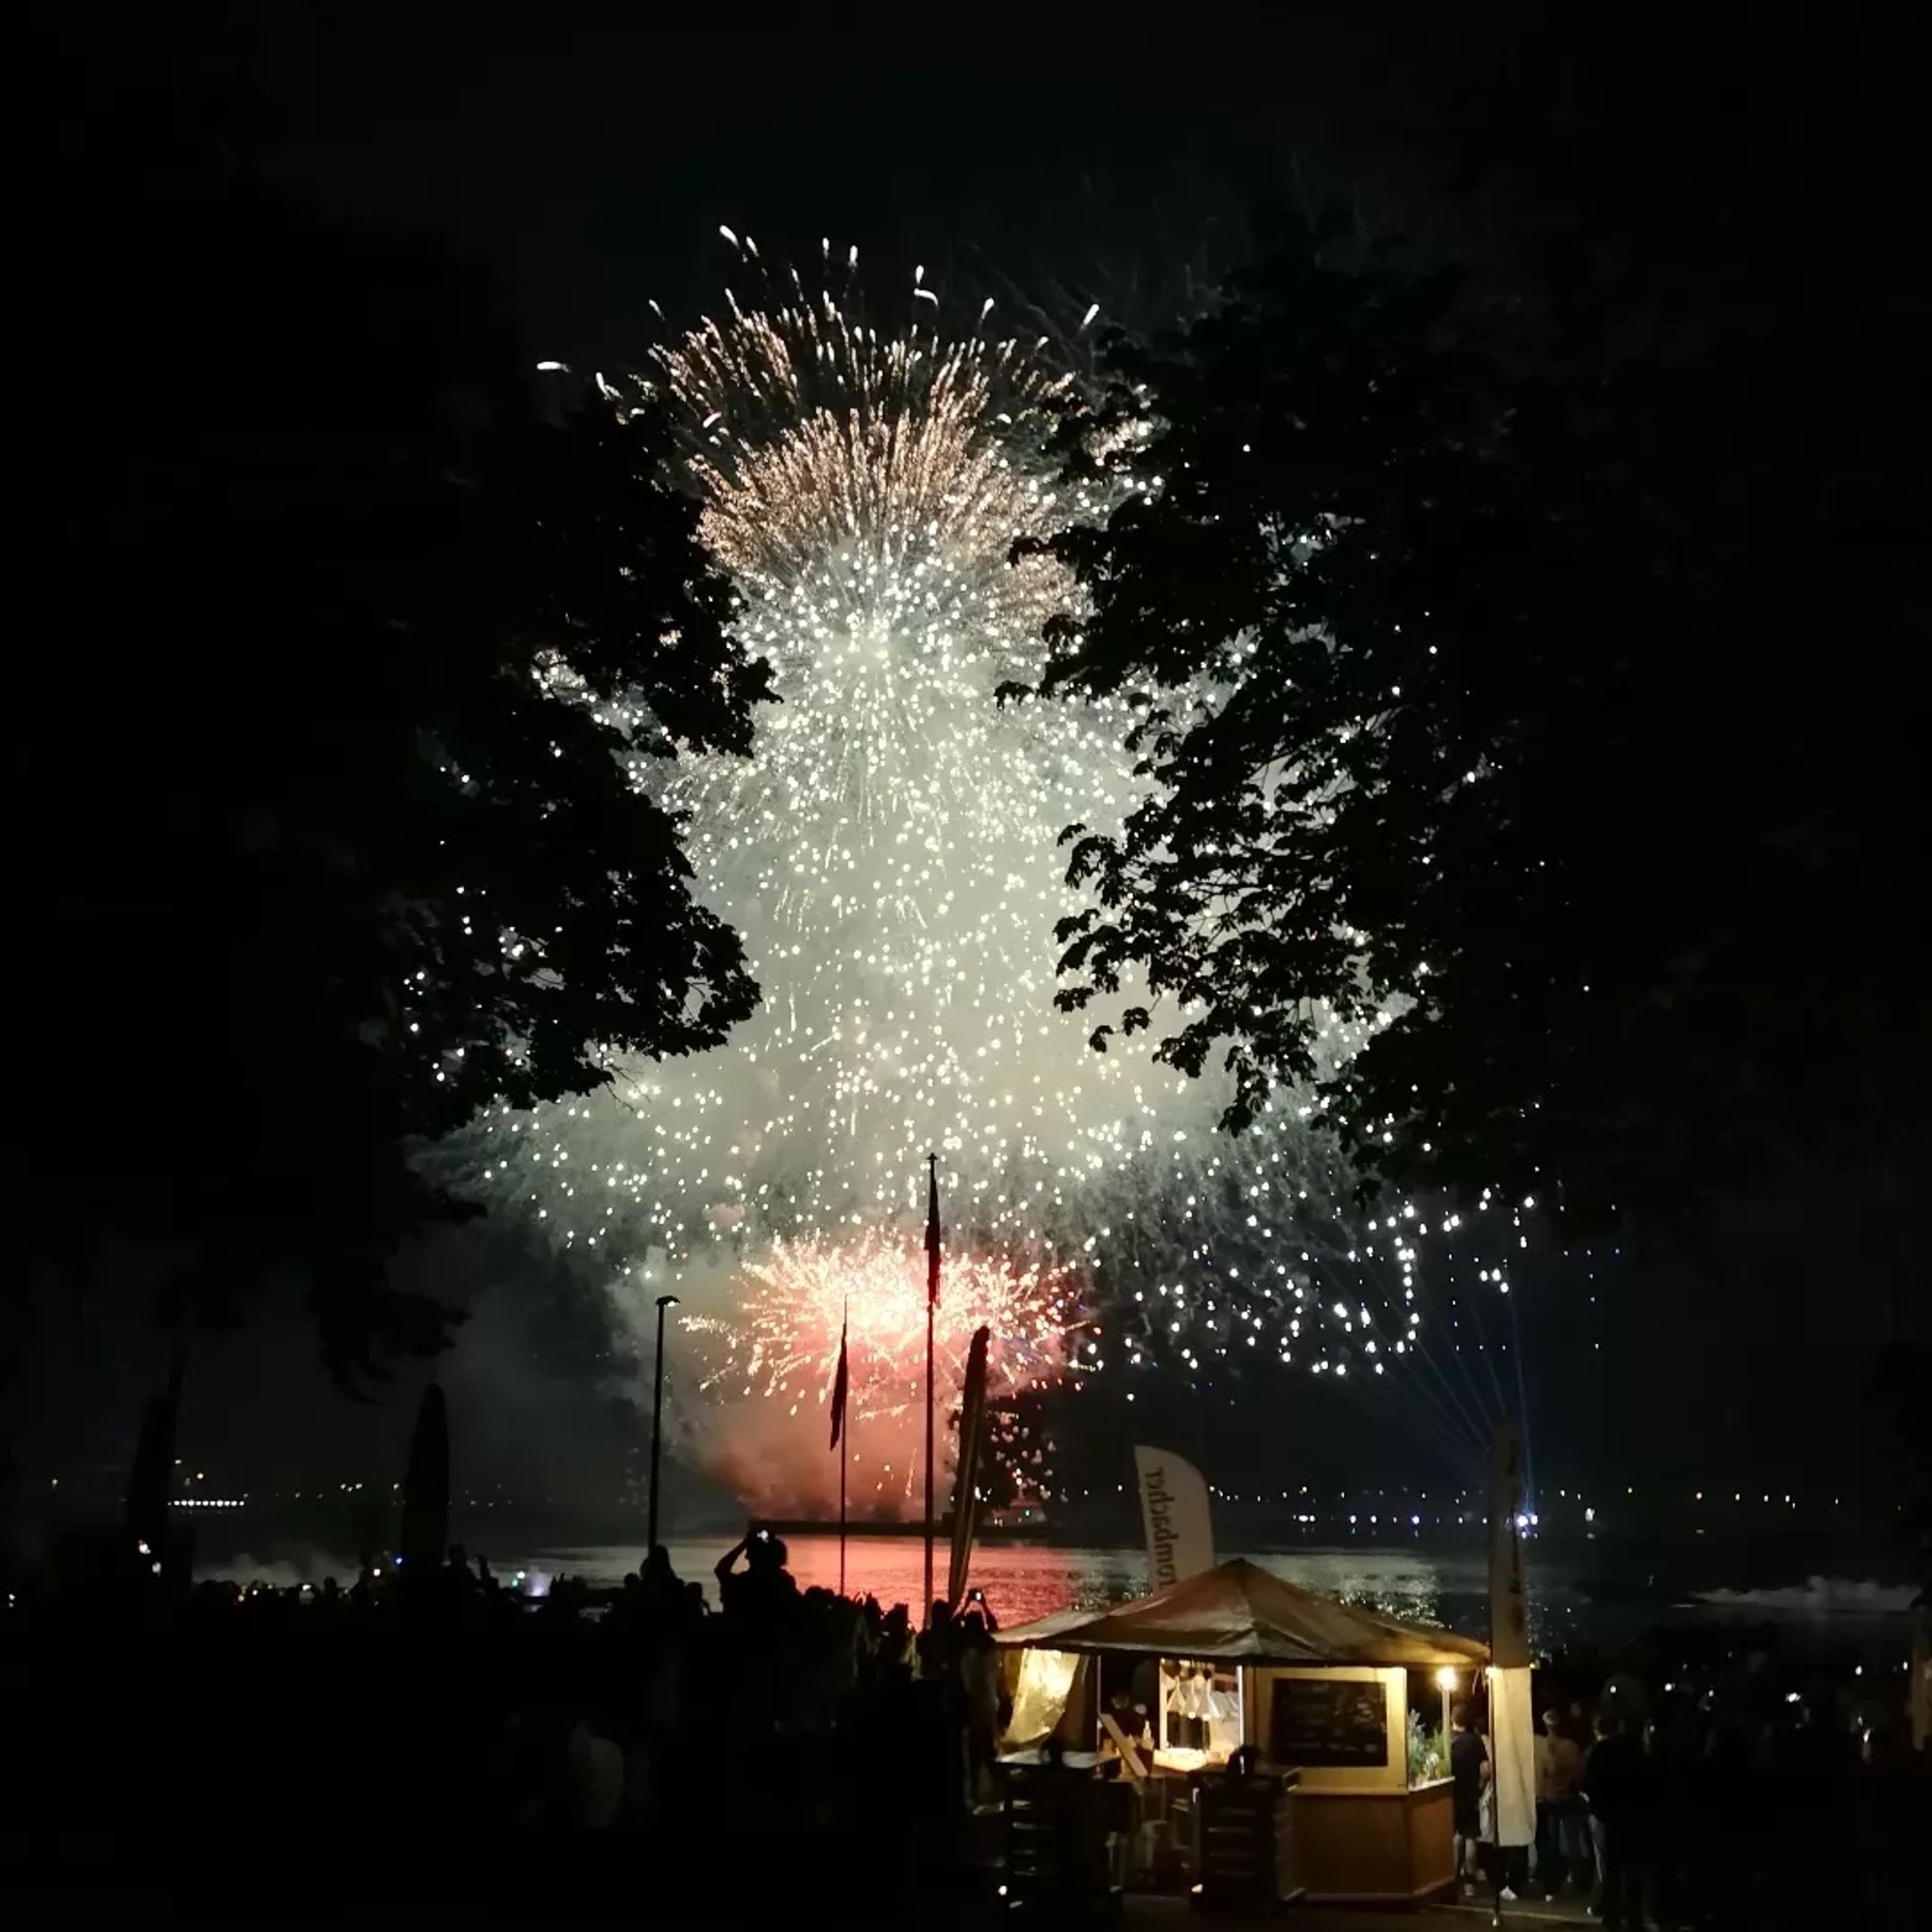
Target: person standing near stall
[1560, 1827]
[1469, 1767]
[1616, 1780]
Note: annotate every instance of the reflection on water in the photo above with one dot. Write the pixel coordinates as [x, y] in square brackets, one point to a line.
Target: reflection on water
[1022, 1580]
[1027, 1580]
[1449, 1589]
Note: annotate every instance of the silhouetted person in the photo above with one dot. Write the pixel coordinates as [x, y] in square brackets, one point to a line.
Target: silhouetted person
[1468, 1755]
[1727, 1810]
[895, 1638]
[938, 1646]
[977, 1604]
[764, 1592]
[627, 1614]
[1616, 1779]
[1561, 1829]
[663, 1589]
[980, 1682]
[1677, 1829]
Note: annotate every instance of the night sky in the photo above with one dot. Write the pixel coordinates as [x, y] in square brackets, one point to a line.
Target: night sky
[589, 156]
[588, 162]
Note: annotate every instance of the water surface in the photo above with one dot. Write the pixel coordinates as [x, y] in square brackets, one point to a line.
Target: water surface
[1449, 1589]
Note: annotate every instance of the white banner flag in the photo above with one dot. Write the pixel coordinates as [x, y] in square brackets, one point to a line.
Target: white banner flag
[1512, 1727]
[1514, 1731]
[1174, 1508]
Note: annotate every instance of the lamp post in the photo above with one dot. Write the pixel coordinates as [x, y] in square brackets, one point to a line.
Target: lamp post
[656, 1418]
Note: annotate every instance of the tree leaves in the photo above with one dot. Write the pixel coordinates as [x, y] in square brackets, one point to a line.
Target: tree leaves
[357, 829]
[1461, 724]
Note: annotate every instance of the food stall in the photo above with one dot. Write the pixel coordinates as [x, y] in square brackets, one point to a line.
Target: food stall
[1240, 1657]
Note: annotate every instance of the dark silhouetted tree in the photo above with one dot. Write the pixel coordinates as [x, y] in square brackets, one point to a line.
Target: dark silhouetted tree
[342, 721]
[1518, 681]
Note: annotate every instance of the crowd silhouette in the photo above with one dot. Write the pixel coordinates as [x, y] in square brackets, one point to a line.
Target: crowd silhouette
[443, 1716]
[440, 1727]
[1726, 1801]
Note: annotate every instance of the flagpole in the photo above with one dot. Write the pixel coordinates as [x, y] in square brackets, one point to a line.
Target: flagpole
[931, 1308]
[844, 1455]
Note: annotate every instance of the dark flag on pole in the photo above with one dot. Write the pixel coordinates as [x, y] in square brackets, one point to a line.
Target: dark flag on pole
[932, 1232]
[839, 1383]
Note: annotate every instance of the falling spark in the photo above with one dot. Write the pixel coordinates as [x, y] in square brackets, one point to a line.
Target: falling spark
[890, 854]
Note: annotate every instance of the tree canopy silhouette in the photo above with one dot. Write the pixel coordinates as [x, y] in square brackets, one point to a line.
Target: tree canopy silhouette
[1510, 678]
[343, 753]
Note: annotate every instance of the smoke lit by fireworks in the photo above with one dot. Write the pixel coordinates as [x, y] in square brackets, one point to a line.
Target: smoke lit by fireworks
[890, 854]
[779, 1346]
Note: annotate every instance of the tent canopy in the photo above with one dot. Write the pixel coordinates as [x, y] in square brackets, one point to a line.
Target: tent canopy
[1240, 1613]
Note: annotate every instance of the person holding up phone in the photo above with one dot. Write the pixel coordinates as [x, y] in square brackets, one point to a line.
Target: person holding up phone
[764, 1592]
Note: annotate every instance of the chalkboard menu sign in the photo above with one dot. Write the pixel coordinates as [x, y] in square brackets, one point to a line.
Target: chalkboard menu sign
[1329, 1721]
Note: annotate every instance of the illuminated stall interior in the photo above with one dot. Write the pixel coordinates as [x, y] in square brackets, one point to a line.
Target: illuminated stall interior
[1319, 1688]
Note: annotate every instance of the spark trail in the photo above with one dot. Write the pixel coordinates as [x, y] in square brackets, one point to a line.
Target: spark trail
[889, 855]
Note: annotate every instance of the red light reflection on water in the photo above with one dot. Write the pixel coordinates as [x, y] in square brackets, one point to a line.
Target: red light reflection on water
[1022, 1580]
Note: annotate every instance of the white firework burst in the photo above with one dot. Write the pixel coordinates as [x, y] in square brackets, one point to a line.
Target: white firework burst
[889, 853]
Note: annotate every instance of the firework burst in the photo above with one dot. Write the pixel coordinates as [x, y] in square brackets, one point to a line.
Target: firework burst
[889, 855]
[771, 1350]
